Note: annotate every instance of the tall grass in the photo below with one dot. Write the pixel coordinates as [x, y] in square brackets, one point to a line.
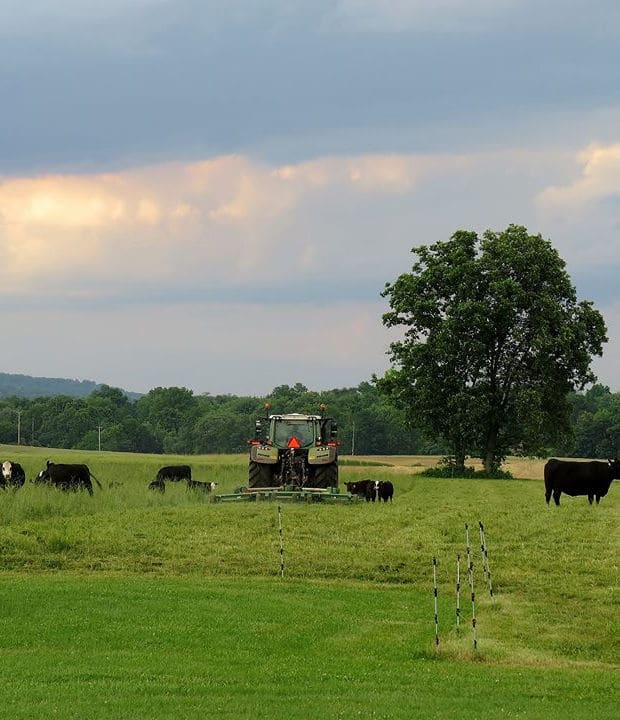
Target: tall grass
[555, 577]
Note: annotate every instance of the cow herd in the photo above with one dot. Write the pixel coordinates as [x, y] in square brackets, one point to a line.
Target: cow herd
[65, 476]
[571, 477]
[77, 476]
[371, 490]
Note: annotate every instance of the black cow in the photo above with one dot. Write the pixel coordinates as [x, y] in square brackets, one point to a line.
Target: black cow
[12, 475]
[363, 488]
[174, 473]
[579, 478]
[67, 476]
[384, 490]
[205, 487]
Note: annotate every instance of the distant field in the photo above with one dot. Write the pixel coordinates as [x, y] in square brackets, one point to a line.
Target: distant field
[523, 468]
[136, 604]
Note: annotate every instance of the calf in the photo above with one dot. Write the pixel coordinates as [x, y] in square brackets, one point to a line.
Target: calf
[363, 488]
[579, 478]
[13, 475]
[205, 487]
[384, 490]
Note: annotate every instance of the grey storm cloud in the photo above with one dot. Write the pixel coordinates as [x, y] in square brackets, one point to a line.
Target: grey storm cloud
[91, 85]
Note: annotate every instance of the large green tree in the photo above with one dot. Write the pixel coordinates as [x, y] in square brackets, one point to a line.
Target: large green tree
[494, 340]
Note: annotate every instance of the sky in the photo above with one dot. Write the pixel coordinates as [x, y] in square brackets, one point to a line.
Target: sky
[213, 194]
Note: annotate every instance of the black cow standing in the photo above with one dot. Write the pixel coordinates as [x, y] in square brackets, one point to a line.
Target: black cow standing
[174, 473]
[579, 478]
[12, 475]
[363, 488]
[67, 476]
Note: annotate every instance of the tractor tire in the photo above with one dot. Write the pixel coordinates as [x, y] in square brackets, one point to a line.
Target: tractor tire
[326, 476]
[260, 475]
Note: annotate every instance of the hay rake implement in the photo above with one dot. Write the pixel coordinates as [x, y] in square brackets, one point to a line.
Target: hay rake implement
[282, 493]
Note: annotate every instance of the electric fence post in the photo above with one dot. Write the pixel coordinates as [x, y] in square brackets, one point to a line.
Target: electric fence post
[435, 593]
[281, 541]
[470, 573]
[458, 592]
[485, 559]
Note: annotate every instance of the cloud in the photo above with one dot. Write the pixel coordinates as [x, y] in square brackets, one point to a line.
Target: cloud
[92, 86]
[606, 367]
[136, 224]
[584, 207]
[203, 221]
[188, 273]
[233, 225]
[599, 178]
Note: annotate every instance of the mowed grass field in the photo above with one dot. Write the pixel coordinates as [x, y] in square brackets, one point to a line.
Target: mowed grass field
[135, 604]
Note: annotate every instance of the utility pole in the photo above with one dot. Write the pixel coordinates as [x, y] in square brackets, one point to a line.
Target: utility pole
[99, 428]
[19, 427]
[353, 440]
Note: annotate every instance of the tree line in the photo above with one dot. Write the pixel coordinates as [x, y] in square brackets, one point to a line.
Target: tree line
[174, 420]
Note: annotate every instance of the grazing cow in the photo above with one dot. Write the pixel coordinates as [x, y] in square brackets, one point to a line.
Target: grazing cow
[205, 487]
[67, 476]
[363, 488]
[384, 490]
[174, 473]
[12, 475]
[579, 478]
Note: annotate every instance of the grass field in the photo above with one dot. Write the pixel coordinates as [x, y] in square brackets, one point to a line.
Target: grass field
[136, 604]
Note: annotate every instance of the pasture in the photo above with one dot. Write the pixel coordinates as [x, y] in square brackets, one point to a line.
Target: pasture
[139, 604]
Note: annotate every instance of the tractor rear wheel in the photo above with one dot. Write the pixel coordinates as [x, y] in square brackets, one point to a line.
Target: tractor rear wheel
[260, 475]
[326, 476]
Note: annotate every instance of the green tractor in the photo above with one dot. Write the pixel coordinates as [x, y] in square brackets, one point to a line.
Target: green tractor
[294, 452]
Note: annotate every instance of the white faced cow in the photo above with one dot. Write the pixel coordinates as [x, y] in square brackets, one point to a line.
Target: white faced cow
[384, 490]
[13, 475]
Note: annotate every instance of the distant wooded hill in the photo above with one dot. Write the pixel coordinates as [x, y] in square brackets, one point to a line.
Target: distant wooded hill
[26, 386]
